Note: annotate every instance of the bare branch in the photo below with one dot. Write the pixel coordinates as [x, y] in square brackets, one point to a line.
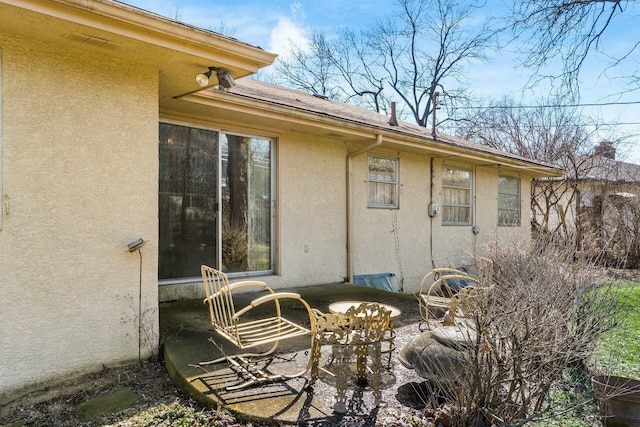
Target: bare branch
[420, 49]
[568, 30]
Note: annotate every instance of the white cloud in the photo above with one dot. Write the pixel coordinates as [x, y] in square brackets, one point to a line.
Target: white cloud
[284, 33]
[297, 11]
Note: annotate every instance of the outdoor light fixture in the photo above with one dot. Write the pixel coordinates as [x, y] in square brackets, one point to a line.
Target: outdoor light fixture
[203, 78]
[136, 245]
[224, 78]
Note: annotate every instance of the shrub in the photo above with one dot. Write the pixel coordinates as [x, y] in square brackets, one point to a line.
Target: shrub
[542, 318]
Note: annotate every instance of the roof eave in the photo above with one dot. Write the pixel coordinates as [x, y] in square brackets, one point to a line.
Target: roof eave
[151, 28]
[393, 137]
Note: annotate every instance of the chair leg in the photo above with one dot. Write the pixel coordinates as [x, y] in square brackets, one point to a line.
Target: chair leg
[240, 363]
[241, 355]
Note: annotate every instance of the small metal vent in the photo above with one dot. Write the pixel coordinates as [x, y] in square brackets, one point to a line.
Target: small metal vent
[89, 40]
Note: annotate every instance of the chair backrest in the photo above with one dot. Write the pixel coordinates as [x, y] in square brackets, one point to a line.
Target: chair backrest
[437, 273]
[219, 299]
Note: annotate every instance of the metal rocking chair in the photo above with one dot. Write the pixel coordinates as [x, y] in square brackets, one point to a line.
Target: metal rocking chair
[227, 322]
[448, 288]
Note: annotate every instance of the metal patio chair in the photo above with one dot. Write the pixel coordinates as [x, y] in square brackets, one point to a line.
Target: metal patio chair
[449, 289]
[254, 332]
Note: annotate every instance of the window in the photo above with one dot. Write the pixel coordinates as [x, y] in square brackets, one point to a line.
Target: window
[214, 202]
[456, 189]
[383, 182]
[508, 201]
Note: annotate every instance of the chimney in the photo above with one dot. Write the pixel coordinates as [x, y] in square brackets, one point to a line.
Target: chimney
[605, 150]
[393, 121]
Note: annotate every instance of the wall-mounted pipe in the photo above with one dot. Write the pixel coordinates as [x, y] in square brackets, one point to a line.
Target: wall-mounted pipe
[350, 157]
[431, 178]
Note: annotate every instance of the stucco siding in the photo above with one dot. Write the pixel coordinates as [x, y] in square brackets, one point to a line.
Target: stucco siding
[81, 174]
[457, 245]
[393, 241]
[311, 212]
[312, 206]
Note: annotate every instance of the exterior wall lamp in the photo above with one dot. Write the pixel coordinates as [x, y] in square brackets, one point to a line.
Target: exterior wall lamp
[225, 81]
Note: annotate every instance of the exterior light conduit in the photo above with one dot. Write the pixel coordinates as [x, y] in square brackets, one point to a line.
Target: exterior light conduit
[350, 157]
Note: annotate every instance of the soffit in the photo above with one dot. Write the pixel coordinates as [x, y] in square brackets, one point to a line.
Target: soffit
[112, 28]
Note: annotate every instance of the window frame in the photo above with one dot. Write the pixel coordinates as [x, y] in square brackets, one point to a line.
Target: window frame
[446, 205]
[518, 197]
[273, 144]
[395, 183]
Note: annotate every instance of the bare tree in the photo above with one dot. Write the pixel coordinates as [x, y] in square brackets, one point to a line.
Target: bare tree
[549, 132]
[595, 204]
[310, 68]
[568, 30]
[419, 50]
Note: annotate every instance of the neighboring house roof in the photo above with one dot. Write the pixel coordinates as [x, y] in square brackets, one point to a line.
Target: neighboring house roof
[303, 106]
[605, 169]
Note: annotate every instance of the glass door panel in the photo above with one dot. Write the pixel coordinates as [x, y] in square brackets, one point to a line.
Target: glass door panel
[246, 203]
[187, 200]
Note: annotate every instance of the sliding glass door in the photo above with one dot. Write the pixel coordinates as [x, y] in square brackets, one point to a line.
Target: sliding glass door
[215, 202]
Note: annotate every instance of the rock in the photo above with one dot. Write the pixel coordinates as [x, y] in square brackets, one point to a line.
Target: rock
[436, 355]
[107, 404]
[457, 336]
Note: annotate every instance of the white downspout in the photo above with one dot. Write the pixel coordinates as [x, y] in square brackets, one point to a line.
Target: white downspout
[350, 156]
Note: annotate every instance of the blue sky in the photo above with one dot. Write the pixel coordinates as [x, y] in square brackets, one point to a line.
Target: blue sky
[272, 24]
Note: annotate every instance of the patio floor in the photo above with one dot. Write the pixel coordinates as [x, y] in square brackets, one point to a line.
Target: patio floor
[185, 332]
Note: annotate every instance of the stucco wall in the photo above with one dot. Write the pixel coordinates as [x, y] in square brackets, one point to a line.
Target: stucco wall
[406, 242]
[80, 170]
[457, 245]
[393, 240]
[312, 206]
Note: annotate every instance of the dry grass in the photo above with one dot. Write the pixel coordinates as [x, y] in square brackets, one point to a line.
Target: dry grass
[162, 404]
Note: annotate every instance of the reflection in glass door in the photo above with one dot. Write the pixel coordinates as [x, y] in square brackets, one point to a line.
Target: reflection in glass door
[187, 200]
[246, 203]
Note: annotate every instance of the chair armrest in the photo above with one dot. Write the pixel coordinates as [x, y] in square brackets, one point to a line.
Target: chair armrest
[248, 283]
[267, 298]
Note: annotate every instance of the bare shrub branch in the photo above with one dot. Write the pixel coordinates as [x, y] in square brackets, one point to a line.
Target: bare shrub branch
[540, 320]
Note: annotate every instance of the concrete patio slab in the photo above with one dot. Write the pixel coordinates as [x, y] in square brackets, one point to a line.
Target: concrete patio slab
[186, 333]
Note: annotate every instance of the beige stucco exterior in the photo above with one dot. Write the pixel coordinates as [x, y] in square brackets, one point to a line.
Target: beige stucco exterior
[85, 84]
[80, 170]
[406, 242]
[82, 84]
